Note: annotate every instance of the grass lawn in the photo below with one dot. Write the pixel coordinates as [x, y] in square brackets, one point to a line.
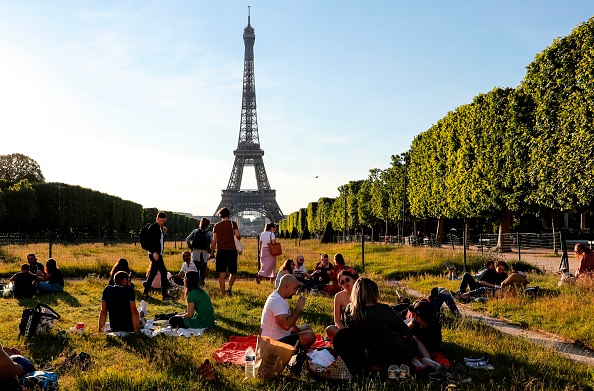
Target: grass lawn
[142, 363]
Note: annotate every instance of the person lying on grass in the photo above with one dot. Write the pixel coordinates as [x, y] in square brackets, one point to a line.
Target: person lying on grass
[279, 323]
[13, 365]
[200, 313]
[488, 284]
[517, 279]
[346, 279]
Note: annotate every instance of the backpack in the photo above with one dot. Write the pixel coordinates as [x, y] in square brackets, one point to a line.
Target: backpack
[145, 237]
[37, 321]
[200, 241]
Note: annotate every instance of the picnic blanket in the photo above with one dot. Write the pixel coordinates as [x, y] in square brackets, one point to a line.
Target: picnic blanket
[233, 352]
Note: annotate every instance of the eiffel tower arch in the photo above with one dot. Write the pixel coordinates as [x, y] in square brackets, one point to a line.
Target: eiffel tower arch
[248, 152]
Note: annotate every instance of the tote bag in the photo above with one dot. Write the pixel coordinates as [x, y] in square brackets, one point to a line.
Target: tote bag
[275, 248]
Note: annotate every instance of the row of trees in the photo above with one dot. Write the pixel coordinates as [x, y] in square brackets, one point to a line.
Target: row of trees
[27, 207]
[510, 152]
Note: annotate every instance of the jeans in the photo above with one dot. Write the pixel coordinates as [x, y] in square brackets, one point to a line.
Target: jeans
[157, 266]
[468, 282]
[47, 287]
[444, 298]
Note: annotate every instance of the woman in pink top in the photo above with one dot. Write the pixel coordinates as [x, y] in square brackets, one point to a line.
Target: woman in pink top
[585, 257]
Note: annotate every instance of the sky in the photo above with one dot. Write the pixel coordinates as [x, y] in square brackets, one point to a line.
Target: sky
[142, 99]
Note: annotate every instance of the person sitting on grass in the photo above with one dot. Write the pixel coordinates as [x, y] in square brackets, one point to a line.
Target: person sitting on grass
[474, 282]
[288, 267]
[119, 302]
[120, 266]
[426, 329]
[300, 272]
[279, 323]
[489, 283]
[186, 266]
[199, 313]
[585, 257]
[333, 287]
[23, 283]
[346, 279]
[320, 276]
[36, 267]
[13, 365]
[53, 280]
[375, 337]
[439, 296]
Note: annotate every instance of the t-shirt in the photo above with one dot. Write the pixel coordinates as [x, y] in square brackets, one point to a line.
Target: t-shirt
[204, 315]
[36, 267]
[516, 280]
[118, 299]
[22, 284]
[225, 233]
[492, 277]
[266, 237]
[299, 271]
[429, 335]
[191, 267]
[275, 305]
[56, 278]
[323, 275]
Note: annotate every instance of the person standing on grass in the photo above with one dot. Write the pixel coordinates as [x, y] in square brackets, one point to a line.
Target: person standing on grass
[279, 323]
[267, 260]
[119, 302]
[23, 283]
[226, 255]
[157, 232]
[199, 241]
[585, 257]
[200, 313]
[53, 280]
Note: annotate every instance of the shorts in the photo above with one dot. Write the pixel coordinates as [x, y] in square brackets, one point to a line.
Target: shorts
[291, 339]
[226, 261]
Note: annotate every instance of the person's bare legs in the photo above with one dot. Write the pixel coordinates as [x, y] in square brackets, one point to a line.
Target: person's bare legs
[231, 280]
[222, 277]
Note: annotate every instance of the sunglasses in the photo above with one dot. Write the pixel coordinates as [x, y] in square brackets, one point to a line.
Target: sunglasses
[342, 282]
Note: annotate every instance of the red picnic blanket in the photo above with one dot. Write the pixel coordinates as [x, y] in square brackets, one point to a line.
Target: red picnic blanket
[233, 352]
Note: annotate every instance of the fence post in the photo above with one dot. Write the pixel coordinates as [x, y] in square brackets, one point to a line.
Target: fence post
[464, 245]
[362, 253]
[519, 243]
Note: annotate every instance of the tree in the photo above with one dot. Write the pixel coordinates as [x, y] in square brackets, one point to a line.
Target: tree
[21, 205]
[16, 167]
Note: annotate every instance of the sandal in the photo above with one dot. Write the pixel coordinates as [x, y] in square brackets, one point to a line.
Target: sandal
[207, 371]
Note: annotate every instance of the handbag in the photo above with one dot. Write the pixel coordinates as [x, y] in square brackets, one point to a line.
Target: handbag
[272, 357]
[275, 248]
[335, 371]
[238, 245]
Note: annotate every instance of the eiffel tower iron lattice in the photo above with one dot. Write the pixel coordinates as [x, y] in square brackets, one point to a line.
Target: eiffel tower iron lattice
[248, 152]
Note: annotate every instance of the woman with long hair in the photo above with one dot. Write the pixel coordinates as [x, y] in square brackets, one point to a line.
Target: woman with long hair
[334, 287]
[287, 268]
[200, 313]
[346, 279]
[53, 281]
[375, 336]
[120, 266]
[585, 257]
[267, 260]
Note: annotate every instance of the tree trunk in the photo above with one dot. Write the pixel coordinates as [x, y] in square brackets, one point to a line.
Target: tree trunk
[503, 242]
[439, 233]
[554, 224]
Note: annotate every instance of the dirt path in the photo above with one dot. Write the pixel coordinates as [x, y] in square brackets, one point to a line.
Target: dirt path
[551, 341]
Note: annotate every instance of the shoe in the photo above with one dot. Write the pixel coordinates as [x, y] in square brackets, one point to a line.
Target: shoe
[404, 372]
[459, 375]
[480, 365]
[258, 278]
[167, 298]
[229, 293]
[440, 375]
[468, 359]
[207, 371]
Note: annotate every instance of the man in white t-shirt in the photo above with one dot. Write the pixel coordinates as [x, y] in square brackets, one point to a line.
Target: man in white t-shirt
[300, 272]
[279, 323]
[187, 266]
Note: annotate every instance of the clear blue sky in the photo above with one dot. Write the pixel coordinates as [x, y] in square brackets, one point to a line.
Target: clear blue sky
[142, 99]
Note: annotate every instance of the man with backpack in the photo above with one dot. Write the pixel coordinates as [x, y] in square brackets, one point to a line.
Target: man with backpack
[152, 240]
[199, 242]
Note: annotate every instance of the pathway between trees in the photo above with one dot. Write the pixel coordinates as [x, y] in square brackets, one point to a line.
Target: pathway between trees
[551, 341]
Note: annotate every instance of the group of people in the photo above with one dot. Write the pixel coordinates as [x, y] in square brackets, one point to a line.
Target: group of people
[34, 278]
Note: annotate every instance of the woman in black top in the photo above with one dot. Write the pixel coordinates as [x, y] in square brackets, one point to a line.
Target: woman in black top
[53, 281]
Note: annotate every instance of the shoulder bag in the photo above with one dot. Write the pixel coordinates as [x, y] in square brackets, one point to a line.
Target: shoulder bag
[238, 245]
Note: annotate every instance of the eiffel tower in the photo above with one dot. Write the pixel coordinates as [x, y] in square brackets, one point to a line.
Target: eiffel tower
[248, 152]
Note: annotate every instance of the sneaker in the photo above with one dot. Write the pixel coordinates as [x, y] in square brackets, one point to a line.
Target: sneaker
[480, 365]
[469, 359]
[404, 372]
[229, 293]
[167, 298]
[440, 375]
[207, 371]
[459, 375]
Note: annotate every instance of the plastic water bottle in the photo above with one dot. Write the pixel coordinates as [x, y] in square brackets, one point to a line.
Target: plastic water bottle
[250, 363]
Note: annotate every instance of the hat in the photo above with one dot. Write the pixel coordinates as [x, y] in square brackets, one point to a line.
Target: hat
[424, 309]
